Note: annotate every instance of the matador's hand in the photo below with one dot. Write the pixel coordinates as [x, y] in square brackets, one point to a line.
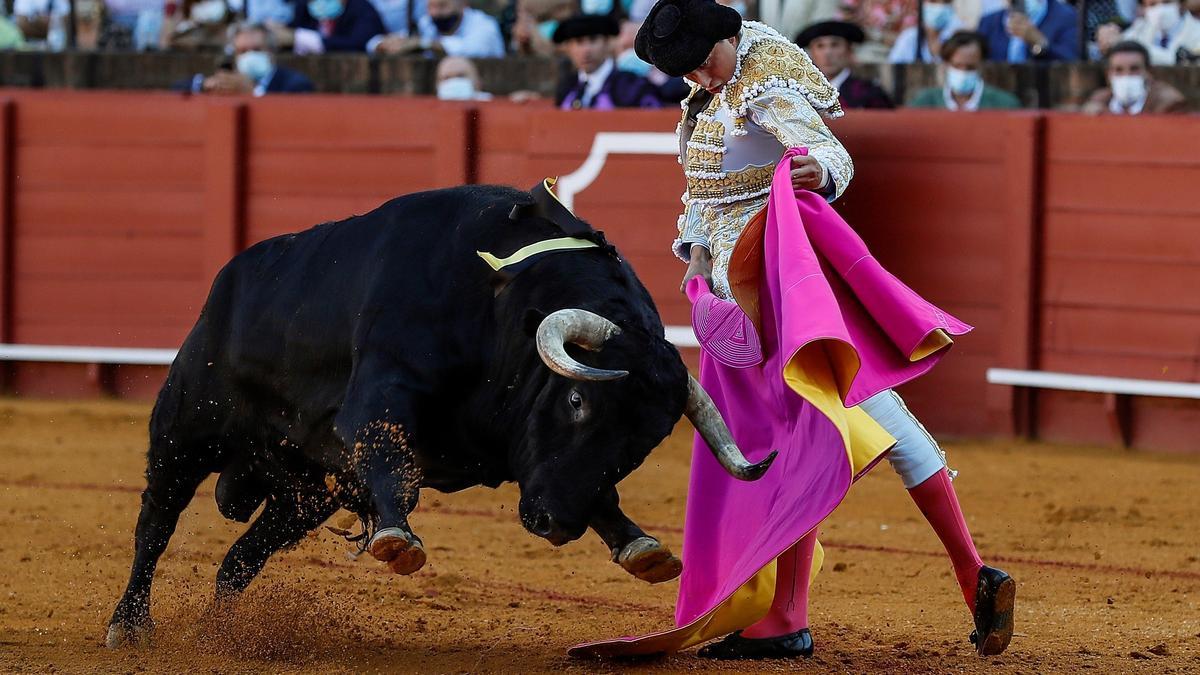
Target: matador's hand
[701, 264]
[806, 173]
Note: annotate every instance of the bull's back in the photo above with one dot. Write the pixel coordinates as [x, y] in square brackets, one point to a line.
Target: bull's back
[293, 306]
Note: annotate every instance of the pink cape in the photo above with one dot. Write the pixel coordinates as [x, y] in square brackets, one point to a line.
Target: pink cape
[836, 328]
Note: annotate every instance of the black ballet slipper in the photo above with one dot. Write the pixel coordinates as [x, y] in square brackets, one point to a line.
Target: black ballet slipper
[994, 600]
[734, 646]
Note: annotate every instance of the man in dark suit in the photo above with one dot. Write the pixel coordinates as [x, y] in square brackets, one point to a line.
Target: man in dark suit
[594, 81]
[1032, 30]
[252, 69]
[830, 45]
[321, 26]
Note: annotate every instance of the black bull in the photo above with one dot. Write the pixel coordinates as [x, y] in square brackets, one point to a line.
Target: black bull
[353, 363]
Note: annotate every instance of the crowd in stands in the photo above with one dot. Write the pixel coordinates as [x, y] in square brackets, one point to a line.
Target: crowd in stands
[595, 40]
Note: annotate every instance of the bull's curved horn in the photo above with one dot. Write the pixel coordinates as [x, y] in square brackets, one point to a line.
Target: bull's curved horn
[707, 419]
[578, 327]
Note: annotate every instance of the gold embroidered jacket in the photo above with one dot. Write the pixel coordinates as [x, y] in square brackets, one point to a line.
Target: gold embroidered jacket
[774, 101]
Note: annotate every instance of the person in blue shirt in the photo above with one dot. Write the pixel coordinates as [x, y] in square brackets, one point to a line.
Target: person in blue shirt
[1032, 30]
[452, 28]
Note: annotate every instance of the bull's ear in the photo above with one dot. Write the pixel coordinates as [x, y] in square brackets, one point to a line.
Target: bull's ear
[533, 319]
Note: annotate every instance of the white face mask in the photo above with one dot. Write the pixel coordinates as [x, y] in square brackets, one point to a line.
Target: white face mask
[1128, 89]
[962, 82]
[208, 11]
[456, 89]
[254, 64]
[1164, 17]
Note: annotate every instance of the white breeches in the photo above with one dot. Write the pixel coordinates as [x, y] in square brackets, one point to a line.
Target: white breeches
[916, 456]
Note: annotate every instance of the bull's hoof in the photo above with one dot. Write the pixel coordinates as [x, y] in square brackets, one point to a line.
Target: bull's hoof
[647, 559]
[401, 550]
[122, 634]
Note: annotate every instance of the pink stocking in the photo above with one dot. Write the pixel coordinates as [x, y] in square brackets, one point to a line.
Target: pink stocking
[937, 501]
[789, 608]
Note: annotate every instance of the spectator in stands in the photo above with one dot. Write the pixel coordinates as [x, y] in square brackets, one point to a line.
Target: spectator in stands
[939, 21]
[252, 69]
[197, 25]
[43, 24]
[321, 26]
[1169, 34]
[1131, 89]
[881, 22]
[1193, 8]
[400, 17]
[458, 80]
[453, 29]
[403, 36]
[790, 17]
[595, 82]
[830, 44]
[1032, 30]
[533, 22]
[962, 54]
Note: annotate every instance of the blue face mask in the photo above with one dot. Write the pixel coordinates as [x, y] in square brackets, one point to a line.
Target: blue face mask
[739, 7]
[630, 63]
[962, 82]
[596, 6]
[325, 10]
[937, 15]
[254, 65]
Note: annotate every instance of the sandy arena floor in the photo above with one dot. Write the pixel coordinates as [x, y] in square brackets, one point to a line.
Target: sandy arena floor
[1103, 544]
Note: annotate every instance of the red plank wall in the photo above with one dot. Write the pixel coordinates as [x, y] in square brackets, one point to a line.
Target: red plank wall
[1121, 282]
[1065, 253]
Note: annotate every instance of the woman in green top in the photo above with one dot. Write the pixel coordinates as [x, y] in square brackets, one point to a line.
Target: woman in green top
[964, 89]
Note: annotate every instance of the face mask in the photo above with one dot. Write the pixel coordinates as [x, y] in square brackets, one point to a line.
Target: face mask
[596, 6]
[629, 62]
[962, 82]
[254, 65]
[1035, 7]
[325, 10]
[445, 24]
[547, 28]
[1128, 89]
[208, 11]
[1164, 17]
[739, 7]
[456, 89]
[936, 15]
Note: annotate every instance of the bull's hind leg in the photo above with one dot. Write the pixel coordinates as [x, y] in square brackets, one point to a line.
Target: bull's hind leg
[282, 523]
[172, 476]
[638, 553]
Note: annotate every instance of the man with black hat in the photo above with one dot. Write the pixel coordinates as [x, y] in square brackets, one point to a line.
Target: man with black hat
[595, 82]
[831, 46]
[752, 121]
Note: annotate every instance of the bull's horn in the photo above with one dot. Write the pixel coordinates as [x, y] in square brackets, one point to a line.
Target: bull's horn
[578, 327]
[707, 419]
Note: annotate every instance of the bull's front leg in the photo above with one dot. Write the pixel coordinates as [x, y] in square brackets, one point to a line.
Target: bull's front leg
[638, 553]
[383, 461]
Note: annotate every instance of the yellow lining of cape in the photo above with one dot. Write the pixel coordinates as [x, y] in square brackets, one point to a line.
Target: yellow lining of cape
[933, 343]
[559, 244]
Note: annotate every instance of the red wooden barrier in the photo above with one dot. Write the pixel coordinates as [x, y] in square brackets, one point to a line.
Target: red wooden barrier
[1067, 253]
[1121, 287]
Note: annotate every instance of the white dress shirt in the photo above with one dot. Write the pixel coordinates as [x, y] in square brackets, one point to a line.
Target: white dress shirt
[477, 36]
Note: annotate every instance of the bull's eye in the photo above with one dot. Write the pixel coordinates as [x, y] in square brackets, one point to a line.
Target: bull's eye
[576, 400]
